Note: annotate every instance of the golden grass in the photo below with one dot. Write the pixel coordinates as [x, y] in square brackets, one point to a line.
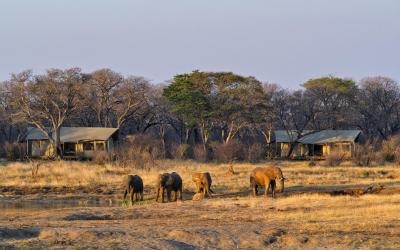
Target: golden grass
[318, 213]
[87, 174]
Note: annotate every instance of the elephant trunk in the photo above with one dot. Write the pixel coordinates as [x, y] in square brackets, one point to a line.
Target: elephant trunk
[282, 183]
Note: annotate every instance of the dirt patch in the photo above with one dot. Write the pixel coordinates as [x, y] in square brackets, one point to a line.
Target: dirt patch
[87, 216]
[18, 233]
[372, 189]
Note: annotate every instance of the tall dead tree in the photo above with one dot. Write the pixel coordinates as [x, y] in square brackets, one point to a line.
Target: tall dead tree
[47, 101]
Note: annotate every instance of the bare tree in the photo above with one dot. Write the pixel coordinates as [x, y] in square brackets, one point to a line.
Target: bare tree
[47, 101]
[379, 105]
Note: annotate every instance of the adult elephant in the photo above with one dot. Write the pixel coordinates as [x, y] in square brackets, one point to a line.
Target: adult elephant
[203, 183]
[169, 182]
[133, 186]
[266, 177]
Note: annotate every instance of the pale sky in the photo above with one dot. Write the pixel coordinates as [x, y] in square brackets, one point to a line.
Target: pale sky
[280, 41]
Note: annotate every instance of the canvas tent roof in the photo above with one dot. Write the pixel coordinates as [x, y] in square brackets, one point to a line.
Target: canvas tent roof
[287, 136]
[319, 137]
[74, 134]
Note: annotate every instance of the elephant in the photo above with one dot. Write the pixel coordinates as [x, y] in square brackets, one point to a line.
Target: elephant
[170, 182]
[133, 186]
[266, 177]
[203, 183]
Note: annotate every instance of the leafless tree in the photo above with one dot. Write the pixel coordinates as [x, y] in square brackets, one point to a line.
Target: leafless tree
[379, 105]
[47, 101]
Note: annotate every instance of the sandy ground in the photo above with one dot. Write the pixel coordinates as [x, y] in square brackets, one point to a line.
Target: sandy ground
[78, 206]
[227, 221]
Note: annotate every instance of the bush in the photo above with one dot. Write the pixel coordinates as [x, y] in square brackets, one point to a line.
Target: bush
[199, 154]
[390, 151]
[12, 151]
[256, 152]
[335, 158]
[365, 154]
[138, 152]
[228, 152]
[181, 151]
[101, 157]
[312, 164]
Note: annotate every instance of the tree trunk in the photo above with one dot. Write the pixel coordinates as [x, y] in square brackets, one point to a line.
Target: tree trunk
[57, 143]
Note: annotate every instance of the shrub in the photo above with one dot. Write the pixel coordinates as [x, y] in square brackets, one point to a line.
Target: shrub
[101, 157]
[199, 153]
[335, 158]
[390, 151]
[12, 151]
[181, 151]
[365, 154]
[138, 152]
[228, 152]
[312, 164]
[256, 152]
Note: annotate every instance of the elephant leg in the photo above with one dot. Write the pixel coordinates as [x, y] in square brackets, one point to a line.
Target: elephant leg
[197, 187]
[141, 195]
[132, 194]
[125, 194]
[169, 194]
[254, 188]
[176, 195]
[162, 194]
[137, 196]
[273, 187]
[180, 193]
[266, 188]
[158, 194]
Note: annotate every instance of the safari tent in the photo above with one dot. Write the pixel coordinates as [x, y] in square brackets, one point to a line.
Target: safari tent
[76, 142]
[316, 144]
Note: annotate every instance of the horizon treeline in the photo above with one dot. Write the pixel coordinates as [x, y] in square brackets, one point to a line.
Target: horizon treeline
[196, 108]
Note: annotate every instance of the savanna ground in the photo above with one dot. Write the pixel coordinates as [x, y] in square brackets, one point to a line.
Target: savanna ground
[322, 207]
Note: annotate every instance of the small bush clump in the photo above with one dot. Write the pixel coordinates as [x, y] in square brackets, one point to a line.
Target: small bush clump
[181, 151]
[390, 151]
[138, 152]
[335, 158]
[228, 152]
[365, 154]
[256, 152]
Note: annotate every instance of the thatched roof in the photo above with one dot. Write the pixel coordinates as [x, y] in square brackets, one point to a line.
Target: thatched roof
[317, 137]
[74, 134]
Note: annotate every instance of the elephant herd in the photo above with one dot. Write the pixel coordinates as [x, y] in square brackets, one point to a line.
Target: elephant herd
[172, 182]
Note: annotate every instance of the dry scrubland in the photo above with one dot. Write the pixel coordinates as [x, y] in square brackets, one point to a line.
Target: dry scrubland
[306, 216]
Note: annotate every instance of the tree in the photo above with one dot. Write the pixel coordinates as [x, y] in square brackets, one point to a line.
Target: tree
[378, 102]
[188, 93]
[333, 100]
[103, 82]
[237, 102]
[113, 98]
[294, 112]
[47, 101]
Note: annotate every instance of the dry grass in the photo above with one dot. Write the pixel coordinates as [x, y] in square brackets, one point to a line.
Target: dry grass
[230, 220]
[297, 222]
[85, 174]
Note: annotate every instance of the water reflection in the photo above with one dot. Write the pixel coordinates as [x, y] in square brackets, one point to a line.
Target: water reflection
[53, 204]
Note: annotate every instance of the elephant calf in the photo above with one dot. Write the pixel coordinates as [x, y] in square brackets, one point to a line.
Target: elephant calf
[170, 182]
[266, 177]
[203, 183]
[133, 186]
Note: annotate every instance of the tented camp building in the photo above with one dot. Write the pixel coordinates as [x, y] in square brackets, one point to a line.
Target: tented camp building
[314, 143]
[76, 142]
